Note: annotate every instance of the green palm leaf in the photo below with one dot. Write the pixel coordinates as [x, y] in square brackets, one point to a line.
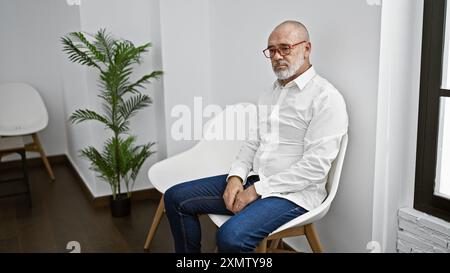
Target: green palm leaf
[85, 114]
[141, 82]
[77, 54]
[94, 52]
[105, 44]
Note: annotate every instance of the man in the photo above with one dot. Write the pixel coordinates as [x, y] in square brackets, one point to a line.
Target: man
[273, 180]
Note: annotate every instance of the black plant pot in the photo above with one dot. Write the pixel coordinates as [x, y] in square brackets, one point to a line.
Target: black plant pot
[120, 207]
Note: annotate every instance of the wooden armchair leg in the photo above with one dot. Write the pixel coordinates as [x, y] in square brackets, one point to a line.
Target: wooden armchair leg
[262, 247]
[313, 239]
[156, 220]
[275, 243]
[39, 148]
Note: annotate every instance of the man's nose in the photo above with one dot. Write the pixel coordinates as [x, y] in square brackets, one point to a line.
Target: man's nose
[277, 56]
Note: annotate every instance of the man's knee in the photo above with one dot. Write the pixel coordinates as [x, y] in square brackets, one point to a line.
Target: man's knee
[230, 239]
[173, 196]
[179, 197]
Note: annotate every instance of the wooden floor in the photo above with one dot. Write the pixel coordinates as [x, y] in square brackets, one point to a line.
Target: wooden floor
[62, 212]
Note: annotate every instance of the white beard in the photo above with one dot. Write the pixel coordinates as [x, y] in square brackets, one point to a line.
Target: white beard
[288, 72]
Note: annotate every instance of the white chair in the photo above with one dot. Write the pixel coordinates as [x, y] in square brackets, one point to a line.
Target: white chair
[23, 113]
[197, 163]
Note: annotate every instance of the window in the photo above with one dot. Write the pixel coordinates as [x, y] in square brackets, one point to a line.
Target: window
[432, 188]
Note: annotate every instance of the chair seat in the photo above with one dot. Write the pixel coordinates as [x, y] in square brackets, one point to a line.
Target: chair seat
[307, 218]
[219, 219]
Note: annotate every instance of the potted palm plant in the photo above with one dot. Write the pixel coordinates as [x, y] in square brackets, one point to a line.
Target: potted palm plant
[120, 159]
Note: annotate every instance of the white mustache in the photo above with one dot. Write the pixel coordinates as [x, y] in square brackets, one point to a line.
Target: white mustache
[281, 62]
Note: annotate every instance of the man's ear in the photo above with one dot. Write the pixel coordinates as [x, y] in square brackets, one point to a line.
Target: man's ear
[307, 49]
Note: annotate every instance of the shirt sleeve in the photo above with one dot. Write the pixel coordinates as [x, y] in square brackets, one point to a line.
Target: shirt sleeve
[244, 160]
[243, 163]
[321, 146]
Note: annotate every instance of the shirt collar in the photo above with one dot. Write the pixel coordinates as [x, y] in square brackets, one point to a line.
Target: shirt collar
[302, 80]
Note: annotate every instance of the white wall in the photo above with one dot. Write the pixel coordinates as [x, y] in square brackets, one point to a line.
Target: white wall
[185, 38]
[345, 50]
[398, 100]
[29, 32]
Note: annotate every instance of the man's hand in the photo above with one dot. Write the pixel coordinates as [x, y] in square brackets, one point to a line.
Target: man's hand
[234, 187]
[244, 198]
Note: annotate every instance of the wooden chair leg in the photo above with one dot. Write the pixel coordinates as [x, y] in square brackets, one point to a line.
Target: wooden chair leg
[313, 238]
[38, 145]
[156, 220]
[262, 247]
[275, 243]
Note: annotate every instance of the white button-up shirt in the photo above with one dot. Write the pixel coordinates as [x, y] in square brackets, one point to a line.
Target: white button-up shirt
[300, 140]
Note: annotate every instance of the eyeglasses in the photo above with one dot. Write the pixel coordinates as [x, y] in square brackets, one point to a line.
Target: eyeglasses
[283, 50]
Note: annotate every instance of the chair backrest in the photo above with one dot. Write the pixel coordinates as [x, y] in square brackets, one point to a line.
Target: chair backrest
[209, 157]
[334, 175]
[22, 110]
[333, 179]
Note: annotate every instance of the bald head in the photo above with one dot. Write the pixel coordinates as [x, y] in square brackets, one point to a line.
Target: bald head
[292, 30]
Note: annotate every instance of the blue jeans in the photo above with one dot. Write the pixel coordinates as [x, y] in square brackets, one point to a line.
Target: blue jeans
[241, 233]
